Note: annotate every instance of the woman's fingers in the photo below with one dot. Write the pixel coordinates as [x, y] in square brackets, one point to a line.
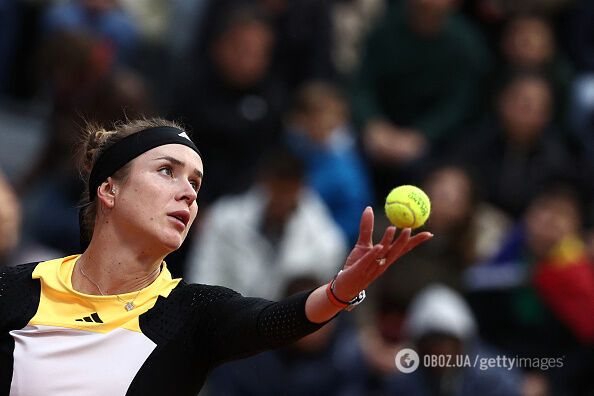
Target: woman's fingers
[396, 248]
[373, 261]
[403, 244]
[371, 255]
[366, 228]
[416, 241]
[388, 237]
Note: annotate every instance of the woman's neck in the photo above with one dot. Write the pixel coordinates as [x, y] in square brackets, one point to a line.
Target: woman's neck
[108, 270]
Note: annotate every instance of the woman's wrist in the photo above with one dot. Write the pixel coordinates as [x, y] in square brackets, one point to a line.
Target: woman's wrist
[339, 302]
[318, 308]
[332, 297]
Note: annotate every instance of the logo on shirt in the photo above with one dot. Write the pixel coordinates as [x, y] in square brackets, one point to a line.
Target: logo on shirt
[94, 318]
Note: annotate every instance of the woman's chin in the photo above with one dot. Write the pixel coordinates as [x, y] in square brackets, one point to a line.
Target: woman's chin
[172, 243]
[164, 242]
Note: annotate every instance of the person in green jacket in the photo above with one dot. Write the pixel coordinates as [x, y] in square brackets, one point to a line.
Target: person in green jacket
[419, 81]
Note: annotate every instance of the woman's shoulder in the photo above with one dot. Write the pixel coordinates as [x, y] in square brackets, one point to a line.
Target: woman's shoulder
[216, 300]
[9, 274]
[201, 294]
[16, 280]
[19, 295]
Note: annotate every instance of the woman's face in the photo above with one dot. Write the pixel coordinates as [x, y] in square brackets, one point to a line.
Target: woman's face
[156, 204]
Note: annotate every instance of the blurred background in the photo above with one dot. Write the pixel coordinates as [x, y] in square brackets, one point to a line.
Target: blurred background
[306, 111]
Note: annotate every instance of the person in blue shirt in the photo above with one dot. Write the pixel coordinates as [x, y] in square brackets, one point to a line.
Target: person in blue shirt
[318, 130]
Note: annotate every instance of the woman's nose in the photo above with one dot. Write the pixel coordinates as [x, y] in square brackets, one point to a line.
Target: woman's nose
[188, 193]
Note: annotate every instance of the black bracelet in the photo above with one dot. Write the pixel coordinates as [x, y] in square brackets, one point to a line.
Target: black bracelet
[352, 303]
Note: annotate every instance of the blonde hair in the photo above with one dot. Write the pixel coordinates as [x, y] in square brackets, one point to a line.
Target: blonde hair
[94, 142]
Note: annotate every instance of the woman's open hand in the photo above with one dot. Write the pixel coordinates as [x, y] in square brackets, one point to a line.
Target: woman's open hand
[364, 264]
[367, 261]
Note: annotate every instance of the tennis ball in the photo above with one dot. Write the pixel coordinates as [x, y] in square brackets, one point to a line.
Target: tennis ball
[407, 207]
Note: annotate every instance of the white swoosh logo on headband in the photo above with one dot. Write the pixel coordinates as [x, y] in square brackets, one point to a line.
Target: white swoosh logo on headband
[183, 134]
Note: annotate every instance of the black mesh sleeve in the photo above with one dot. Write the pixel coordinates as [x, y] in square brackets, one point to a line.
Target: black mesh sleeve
[19, 296]
[246, 326]
[19, 299]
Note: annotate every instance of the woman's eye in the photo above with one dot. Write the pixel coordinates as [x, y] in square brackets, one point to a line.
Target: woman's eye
[166, 171]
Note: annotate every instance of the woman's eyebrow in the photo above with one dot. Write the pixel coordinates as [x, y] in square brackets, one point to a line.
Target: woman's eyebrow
[177, 162]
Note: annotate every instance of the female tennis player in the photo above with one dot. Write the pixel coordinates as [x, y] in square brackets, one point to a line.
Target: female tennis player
[112, 321]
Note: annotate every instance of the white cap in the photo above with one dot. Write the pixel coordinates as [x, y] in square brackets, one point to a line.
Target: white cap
[437, 308]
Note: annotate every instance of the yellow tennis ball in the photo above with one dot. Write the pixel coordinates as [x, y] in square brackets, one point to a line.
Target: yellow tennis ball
[407, 207]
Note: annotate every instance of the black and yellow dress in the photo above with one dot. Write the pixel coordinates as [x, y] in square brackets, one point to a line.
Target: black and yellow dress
[57, 341]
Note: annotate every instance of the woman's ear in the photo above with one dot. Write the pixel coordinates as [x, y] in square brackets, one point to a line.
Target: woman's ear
[106, 193]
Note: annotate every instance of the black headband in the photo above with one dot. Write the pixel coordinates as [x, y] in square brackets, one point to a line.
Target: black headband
[130, 147]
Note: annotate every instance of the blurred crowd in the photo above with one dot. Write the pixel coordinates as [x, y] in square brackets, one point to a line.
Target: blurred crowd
[306, 111]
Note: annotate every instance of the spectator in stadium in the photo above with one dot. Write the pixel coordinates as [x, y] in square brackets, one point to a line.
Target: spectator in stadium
[533, 298]
[401, 99]
[470, 229]
[232, 102]
[302, 48]
[440, 323]
[319, 131]
[518, 151]
[279, 229]
[105, 20]
[528, 43]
